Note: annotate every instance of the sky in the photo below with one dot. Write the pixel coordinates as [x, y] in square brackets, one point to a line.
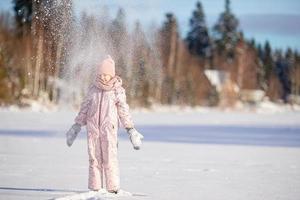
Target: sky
[275, 20]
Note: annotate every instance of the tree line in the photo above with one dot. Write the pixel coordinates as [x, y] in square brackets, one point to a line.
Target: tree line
[48, 53]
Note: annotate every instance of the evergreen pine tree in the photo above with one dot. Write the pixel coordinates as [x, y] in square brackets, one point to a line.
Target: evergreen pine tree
[119, 37]
[259, 52]
[23, 15]
[267, 61]
[169, 46]
[118, 28]
[226, 32]
[197, 39]
[295, 77]
[282, 71]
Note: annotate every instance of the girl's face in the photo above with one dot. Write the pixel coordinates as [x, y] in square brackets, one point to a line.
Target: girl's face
[105, 77]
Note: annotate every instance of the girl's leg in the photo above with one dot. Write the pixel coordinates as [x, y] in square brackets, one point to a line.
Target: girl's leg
[110, 160]
[95, 181]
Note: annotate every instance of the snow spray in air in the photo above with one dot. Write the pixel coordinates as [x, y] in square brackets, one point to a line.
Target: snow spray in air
[91, 38]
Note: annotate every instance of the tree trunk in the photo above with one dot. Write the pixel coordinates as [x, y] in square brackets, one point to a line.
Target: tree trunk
[38, 63]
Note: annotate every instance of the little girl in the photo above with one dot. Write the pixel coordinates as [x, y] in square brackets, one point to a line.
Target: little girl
[101, 110]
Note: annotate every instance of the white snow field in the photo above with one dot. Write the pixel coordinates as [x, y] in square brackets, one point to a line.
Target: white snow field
[201, 154]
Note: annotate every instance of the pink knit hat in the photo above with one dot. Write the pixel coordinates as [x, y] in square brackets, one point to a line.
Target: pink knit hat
[107, 66]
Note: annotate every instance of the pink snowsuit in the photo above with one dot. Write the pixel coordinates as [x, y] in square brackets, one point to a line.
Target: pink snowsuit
[101, 111]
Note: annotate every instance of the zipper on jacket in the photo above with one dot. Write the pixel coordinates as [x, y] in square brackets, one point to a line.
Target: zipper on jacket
[99, 128]
[99, 122]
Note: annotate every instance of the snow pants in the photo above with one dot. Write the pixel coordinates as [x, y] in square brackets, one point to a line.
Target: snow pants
[103, 160]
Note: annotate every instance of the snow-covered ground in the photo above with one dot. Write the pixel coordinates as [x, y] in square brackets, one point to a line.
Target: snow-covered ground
[195, 154]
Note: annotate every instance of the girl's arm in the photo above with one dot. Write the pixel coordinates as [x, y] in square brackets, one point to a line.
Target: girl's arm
[123, 108]
[82, 114]
[80, 119]
[125, 117]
